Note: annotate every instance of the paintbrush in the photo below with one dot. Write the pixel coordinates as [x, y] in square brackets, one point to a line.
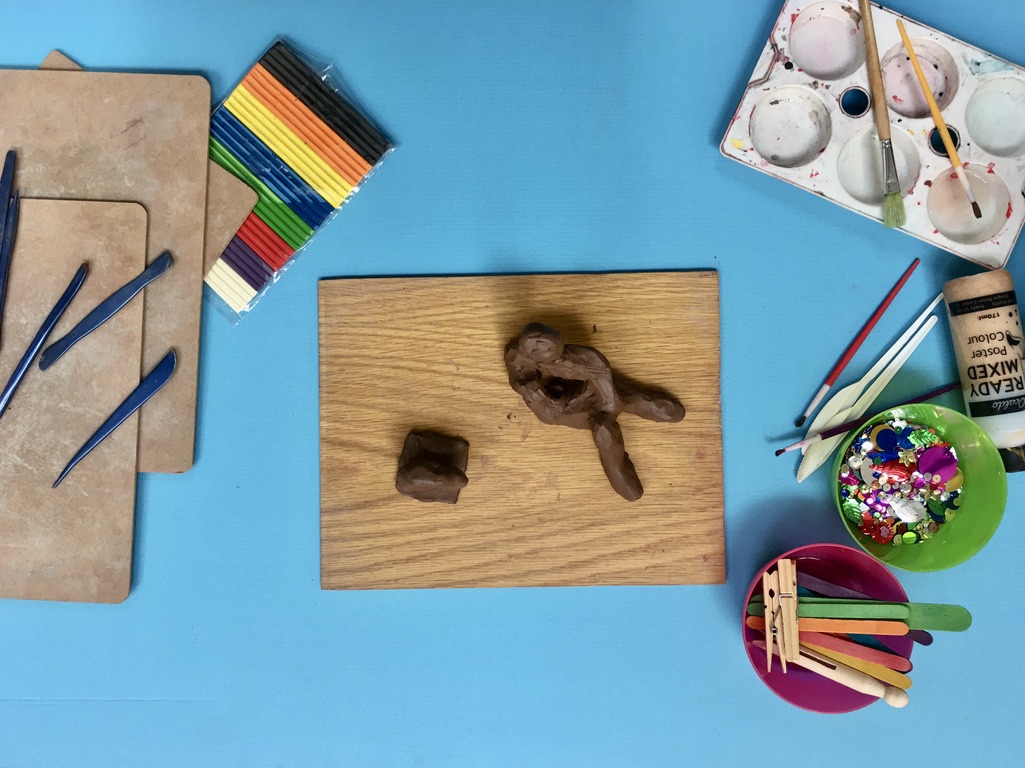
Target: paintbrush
[855, 345]
[893, 203]
[937, 118]
[840, 429]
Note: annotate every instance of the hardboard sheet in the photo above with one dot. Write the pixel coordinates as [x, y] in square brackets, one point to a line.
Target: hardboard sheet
[73, 542]
[427, 353]
[139, 138]
[228, 200]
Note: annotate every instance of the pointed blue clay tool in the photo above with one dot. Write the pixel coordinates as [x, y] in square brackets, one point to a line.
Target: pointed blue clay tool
[105, 310]
[41, 336]
[10, 227]
[147, 388]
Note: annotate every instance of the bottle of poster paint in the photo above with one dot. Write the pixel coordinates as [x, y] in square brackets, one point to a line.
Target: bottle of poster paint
[990, 350]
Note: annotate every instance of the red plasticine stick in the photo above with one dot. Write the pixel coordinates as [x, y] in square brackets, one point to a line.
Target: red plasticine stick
[856, 344]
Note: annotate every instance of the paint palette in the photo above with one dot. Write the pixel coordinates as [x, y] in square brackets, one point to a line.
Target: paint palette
[806, 118]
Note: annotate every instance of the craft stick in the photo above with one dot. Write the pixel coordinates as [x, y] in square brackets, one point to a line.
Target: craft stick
[855, 345]
[893, 661]
[105, 310]
[328, 104]
[41, 336]
[287, 146]
[936, 616]
[879, 672]
[847, 426]
[855, 626]
[306, 124]
[848, 677]
[937, 118]
[828, 589]
[148, 387]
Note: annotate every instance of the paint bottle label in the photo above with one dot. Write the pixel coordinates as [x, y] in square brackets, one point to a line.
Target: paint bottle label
[990, 351]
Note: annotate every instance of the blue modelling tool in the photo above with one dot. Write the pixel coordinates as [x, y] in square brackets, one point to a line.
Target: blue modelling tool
[105, 310]
[8, 225]
[41, 336]
[149, 386]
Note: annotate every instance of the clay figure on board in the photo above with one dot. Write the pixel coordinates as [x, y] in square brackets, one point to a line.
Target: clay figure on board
[574, 386]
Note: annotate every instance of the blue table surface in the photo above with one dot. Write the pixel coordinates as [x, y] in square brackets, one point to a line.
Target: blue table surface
[533, 136]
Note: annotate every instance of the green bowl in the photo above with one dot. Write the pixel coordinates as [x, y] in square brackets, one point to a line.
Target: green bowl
[983, 494]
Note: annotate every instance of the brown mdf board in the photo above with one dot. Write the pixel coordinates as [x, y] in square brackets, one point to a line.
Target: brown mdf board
[73, 542]
[229, 200]
[427, 353]
[139, 138]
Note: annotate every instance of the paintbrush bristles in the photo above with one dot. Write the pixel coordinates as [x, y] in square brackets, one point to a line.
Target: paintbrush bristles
[894, 214]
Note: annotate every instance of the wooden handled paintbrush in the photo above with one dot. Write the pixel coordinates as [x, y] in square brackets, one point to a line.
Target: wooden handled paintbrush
[937, 118]
[893, 204]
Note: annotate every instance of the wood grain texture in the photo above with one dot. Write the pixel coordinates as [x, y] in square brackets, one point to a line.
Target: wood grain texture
[427, 353]
[73, 542]
[139, 138]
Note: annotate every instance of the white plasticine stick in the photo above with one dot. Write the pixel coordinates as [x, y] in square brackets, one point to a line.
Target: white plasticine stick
[835, 410]
[818, 453]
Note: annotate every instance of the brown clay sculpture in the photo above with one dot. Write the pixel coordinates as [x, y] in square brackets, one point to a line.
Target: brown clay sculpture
[432, 467]
[574, 386]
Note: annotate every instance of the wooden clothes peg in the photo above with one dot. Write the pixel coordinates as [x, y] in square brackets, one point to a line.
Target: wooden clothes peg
[791, 644]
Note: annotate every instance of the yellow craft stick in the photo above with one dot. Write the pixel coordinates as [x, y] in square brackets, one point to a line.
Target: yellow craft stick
[878, 671]
[284, 143]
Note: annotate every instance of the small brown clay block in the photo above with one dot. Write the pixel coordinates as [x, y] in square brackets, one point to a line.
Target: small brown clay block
[432, 467]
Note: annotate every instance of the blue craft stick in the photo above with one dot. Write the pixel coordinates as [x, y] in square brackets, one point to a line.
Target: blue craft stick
[105, 310]
[149, 386]
[7, 246]
[41, 335]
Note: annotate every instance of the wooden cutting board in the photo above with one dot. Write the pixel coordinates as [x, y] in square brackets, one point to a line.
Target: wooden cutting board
[139, 138]
[427, 353]
[73, 542]
[228, 200]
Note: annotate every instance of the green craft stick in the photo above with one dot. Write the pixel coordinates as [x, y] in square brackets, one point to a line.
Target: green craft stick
[936, 616]
[269, 207]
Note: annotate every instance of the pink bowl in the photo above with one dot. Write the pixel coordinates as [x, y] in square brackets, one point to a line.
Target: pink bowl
[845, 567]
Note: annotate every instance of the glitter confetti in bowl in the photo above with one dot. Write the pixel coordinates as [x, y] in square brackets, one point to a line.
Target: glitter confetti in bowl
[926, 520]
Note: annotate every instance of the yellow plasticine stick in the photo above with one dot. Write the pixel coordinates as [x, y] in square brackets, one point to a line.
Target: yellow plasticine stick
[284, 143]
[310, 128]
[276, 137]
[878, 671]
[291, 140]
